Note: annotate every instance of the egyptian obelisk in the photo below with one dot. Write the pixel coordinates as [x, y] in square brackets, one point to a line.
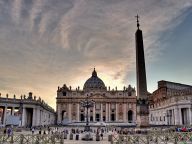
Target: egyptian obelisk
[142, 98]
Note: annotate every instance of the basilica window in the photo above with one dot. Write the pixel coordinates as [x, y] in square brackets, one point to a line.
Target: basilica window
[97, 106]
[130, 105]
[64, 93]
[91, 118]
[151, 117]
[129, 93]
[104, 106]
[130, 116]
[112, 106]
[104, 118]
[112, 117]
[97, 117]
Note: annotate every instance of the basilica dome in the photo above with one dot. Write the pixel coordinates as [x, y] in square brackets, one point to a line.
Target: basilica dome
[94, 83]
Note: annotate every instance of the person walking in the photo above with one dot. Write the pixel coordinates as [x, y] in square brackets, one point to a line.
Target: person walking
[32, 130]
[9, 132]
[101, 135]
[5, 131]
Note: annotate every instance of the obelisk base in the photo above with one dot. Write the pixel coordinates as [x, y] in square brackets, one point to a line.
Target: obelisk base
[142, 121]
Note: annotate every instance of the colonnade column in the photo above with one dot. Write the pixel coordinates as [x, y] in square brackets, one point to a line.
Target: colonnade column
[190, 116]
[180, 116]
[59, 114]
[173, 116]
[23, 117]
[42, 117]
[116, 114]
[5, 115]
[34, 120]
[12, 110]
[166, 117]
[106, 113]
[78, 112]
[38, 116]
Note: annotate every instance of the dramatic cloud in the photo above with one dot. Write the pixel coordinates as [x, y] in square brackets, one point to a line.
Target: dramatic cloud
[46, 43]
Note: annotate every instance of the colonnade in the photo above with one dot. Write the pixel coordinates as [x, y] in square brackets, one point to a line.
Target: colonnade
[4, 112]
[175, 115]
[25, 112]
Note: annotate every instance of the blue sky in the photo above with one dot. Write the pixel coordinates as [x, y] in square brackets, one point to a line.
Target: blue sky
[46, 43]
[175, 60]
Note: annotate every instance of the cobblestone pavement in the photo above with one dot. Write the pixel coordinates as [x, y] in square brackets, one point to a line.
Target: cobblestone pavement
[104, 141]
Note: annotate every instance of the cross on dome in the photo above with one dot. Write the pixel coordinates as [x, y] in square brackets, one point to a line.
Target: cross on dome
[94, 73]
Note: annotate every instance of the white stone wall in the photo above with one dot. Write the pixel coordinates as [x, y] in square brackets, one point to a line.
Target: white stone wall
[171, 111]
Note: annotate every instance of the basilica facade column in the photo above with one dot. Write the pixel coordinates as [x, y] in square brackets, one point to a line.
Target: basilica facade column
[109, 110]
[69, 114]
[101, 112]
[106, 112]
[94, 113]
[124, 112]
[116, 112]
[78, 112]
[89, 114]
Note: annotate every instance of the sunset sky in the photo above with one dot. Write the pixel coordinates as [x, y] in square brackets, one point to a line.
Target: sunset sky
[46, 43]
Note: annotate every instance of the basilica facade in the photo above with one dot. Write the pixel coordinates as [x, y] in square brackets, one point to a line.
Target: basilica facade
[110, 106]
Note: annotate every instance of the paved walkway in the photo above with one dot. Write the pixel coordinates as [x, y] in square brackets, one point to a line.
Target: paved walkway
[104, 141]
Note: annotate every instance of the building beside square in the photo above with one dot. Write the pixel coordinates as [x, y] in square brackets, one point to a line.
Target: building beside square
[171, 104]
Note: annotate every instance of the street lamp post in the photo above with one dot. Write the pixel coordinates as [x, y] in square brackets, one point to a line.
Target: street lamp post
[87, 104]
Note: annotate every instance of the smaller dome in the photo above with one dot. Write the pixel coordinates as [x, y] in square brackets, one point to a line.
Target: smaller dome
[94, 83]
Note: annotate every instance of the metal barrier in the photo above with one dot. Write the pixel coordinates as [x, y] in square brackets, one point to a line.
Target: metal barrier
[150, 138]
[32, 139]
[154, 138]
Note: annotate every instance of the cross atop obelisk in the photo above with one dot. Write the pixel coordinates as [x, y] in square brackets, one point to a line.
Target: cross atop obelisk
[137, 16]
